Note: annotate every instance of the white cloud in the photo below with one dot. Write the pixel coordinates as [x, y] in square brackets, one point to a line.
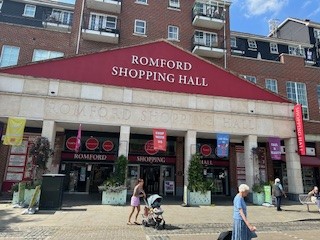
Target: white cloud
[314, 12]
[260, 7]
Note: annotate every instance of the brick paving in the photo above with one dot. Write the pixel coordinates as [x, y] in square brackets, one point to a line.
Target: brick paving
[83, 220]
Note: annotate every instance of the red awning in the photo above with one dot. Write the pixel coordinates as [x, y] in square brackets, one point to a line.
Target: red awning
[306, 161]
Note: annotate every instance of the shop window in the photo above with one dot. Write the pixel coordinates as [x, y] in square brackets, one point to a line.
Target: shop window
[318, 93]
[140, 27]
[29, 10]
[173, 33]
[297, 92]
[9, 56]
[272, 85]
[1, 3]
[39, 55]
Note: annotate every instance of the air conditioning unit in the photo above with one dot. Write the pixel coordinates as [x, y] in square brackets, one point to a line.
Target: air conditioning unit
[283, 150]
[310, 151]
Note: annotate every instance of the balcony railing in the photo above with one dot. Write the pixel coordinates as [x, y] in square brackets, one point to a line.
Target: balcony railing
[208, 16]
[205, 48]
[58, 22]
[113, 6]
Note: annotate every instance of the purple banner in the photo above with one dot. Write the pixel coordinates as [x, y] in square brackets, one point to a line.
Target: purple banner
[275, 148]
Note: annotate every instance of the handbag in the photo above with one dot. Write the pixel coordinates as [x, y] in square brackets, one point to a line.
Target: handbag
[225, 235]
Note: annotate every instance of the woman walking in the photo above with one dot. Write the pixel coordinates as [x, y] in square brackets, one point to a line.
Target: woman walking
[242, 229]
[135, 200]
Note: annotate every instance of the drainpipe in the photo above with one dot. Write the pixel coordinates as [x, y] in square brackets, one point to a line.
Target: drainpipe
[79, 29]
[224, 35]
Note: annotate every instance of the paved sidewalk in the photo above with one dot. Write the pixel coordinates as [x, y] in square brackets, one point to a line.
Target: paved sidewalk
[83, 221]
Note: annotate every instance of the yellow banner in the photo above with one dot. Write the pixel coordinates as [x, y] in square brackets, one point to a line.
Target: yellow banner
[15, 130]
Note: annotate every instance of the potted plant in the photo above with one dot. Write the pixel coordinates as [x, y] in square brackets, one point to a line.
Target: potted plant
[258, 193]
[199, 189]
[114, 191]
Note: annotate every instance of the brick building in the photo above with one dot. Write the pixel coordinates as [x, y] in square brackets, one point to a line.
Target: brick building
[285, 65]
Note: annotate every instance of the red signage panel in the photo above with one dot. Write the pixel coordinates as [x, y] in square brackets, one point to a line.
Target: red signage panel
[107, 145]
[152, 159]
[205, 150]
[92, 144]
[149, 148]
[71, 143]
[160, 139]
[298, 117]
[87, 156]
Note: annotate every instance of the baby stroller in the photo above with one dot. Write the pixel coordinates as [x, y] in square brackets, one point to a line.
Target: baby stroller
[152, 215]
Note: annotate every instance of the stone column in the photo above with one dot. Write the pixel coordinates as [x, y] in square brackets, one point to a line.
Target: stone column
[189, 149]
[124, 141]
[251, 165]
[295, 185]
[49, 131]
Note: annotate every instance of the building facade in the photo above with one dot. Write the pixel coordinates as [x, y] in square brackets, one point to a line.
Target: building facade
[285, 62]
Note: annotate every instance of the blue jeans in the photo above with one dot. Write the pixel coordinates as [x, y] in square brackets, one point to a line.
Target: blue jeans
[278, 202]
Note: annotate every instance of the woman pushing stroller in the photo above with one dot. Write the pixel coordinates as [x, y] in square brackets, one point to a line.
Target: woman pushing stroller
[135, 200]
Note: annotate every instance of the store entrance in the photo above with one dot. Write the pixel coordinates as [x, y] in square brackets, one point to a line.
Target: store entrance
[151, 177]
[219, 176]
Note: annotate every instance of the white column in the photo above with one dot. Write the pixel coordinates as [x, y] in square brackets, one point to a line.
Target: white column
[49, 131]
[189, 149]
[124, 141]
[251, 166]
[295, 184]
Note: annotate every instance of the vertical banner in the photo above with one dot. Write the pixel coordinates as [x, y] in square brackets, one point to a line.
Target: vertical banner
[78, 141]
[160, 139]
[275, 148]
[15, 130]
[298, 117]
[222, 145]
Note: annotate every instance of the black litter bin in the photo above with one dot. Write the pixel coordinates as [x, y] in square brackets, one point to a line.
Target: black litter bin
[51, 191]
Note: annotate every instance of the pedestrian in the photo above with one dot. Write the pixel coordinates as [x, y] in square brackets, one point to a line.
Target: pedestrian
[277, 192]
[242, 229]
[135, 200]
[315, 196]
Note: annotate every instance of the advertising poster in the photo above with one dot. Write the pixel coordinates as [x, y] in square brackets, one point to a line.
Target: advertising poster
[222, 145]
[160, 139]
[15, 130]
[275, 148]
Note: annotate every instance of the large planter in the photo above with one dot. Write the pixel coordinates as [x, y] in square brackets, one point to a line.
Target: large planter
[198, 198]
[28, 193]
[114, 198]
[258, 198]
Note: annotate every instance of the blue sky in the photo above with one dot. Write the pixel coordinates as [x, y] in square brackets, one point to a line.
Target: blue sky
[252, 16]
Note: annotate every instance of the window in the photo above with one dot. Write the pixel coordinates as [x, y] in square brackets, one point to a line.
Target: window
[173, 33]
[252, 79]
[296, 50]
[1, 3]
[140, 27]
[174, 3]
[9, 56]
[63, 17]
[39, 55]
[29, 10]
[272, 85]
[252, 43]
[318, 93]
[317, 34]
[205, 39]
[142, 1]
[233, 42]
[297, 92]
[100, 22]
[274, 48]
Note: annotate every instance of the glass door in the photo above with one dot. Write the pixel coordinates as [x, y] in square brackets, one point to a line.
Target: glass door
[132, 177]
[167, 181]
